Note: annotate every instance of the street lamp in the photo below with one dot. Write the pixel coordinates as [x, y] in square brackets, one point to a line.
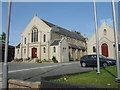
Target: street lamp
[116, 40]
[97, 38]
[5, 64]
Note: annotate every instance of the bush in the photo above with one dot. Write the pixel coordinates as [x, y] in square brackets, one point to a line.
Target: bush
[77, 59]
[38, 61]
[54, 59]
[45, 60]
[28, 58]
[18, 60]
[71, 59]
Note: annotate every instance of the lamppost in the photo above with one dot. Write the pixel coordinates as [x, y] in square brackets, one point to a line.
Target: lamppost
[116, 40]
[5, 64]
[97, 38]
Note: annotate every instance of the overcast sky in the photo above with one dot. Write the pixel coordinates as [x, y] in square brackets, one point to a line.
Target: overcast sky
[77, 16]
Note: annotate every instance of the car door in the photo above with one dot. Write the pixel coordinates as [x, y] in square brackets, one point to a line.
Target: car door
[94, 62]
[90, 60]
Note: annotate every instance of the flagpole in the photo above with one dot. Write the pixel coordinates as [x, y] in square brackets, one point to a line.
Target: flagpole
[5, 64]
[97, 38]
[116, 40]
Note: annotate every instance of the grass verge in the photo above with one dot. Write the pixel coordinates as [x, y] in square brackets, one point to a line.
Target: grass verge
[105, 79]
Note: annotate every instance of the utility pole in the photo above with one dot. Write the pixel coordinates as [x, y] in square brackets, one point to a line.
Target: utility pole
[5, 64]
[97, 38]
[116, 40]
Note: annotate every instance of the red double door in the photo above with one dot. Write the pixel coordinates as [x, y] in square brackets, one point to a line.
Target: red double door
[34, 52]
[104, 49]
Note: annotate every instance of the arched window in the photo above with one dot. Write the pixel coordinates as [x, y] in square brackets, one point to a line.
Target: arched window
[119, 47]
[54, 49]
[34, 35]
[105, 32]
[24, 51]
[44, 50]
[25, 40]
[94, 49]
[18, 51]
[44, 38]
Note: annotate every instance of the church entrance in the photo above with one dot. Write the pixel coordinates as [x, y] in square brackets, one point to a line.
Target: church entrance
[104, 49]
[34, 52]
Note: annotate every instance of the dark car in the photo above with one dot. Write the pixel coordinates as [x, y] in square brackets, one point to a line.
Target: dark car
[91, 60]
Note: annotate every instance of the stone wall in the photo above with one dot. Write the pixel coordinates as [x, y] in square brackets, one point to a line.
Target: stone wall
[13, 83]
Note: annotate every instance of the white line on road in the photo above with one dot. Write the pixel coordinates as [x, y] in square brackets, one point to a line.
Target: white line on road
[40, 67]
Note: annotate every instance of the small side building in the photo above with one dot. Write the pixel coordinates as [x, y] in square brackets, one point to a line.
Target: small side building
[11, 52]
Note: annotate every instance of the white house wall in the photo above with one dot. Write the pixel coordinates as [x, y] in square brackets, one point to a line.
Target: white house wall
[56, 54]
[64, 54]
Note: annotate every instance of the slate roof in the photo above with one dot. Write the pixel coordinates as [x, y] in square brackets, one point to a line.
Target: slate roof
[55, 42]
[76, 47]
[3, 45]
[18, 46]
[65, 32]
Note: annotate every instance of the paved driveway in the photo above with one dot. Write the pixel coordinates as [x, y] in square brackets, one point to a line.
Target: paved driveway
[34, 71]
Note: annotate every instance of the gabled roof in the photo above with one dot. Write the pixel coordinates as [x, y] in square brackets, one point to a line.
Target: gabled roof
[55, 42]
[65, 32]
[3, 45]
[76, 47]
[18, 46]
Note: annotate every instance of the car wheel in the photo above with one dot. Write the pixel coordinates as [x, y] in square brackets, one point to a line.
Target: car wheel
[83, 64]
[105, 65]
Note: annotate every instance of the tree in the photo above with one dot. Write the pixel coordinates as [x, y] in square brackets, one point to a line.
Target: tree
[76, 32]
[2, 37]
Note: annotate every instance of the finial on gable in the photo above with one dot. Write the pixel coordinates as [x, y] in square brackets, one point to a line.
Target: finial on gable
[35, 14]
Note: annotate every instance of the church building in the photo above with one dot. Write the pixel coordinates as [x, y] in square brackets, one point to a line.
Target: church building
[43, 40]
[106, 41]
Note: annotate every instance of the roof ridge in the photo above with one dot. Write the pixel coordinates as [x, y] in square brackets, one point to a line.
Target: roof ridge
[65, 31]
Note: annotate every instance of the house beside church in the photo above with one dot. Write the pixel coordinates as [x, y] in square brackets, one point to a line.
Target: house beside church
[106, 42]
[43, 40]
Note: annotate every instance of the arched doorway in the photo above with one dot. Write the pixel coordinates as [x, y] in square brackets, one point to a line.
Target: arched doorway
[104, 49]
[34, 52]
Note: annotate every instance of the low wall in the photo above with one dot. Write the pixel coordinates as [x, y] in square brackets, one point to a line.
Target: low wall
[0, 82]
[13, 83]
[52, 84]
[23, 84]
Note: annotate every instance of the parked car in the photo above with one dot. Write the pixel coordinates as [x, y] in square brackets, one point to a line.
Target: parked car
[91, 60]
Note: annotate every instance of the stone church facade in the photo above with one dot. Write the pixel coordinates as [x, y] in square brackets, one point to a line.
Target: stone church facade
[106, 42]
[43, 40]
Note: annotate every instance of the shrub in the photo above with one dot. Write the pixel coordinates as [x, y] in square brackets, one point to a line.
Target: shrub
[54, 59]
[18, 60]
[71, 59]
[45, 60]
[77, 59]
[28, 58]
[38, 61]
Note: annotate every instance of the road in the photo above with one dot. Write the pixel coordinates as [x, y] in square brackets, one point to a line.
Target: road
[34, 71]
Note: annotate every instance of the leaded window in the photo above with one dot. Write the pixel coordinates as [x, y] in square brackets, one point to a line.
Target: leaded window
[94, 49]
[44, 38]
[54, 49]
[34, 35]
[25, 40]
[44, 50]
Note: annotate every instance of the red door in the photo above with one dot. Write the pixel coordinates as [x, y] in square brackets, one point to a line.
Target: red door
[34, 52]
[104, 48]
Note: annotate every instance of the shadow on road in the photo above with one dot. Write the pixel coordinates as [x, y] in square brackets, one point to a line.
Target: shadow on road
[43, 73]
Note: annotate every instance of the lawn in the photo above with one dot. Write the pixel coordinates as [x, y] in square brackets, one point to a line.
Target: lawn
[106, 78]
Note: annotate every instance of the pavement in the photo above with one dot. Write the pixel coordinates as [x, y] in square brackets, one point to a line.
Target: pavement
[34, 71]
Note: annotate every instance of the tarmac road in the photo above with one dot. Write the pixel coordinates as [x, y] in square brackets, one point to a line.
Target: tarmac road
[34, 71]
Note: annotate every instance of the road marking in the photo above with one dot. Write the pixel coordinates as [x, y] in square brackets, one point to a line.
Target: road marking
[40, 67]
